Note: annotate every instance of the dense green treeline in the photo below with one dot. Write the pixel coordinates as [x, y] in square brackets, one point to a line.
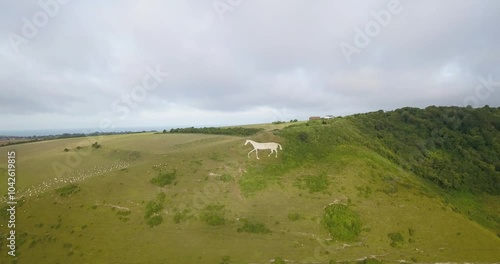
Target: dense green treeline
[457, 148]
[234, 131]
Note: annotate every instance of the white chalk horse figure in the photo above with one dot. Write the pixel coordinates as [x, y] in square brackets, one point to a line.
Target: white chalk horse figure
[262, 146]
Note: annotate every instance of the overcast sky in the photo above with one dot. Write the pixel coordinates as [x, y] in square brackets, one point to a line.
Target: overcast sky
[99, 64]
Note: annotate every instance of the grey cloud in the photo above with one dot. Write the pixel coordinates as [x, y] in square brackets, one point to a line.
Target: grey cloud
[274, 54]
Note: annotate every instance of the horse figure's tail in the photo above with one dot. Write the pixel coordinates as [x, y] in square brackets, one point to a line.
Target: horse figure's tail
[280, 147]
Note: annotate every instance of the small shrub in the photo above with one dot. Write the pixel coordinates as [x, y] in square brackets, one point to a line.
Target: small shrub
[67, 245]
[279, 260]
[315, 183]
[213, 215]
[152, 211]
[294, 217]
[342, 223]
[123, 213]
[364, 191]
[66, 150]
[182, 216]
[96, 145]
[303, 136]
[253, 227]
[370, 261]
[225, 260]
[164, 178]
[68, 190]
[397, 240]
[155, 220]
[225, 178]
[153, 207]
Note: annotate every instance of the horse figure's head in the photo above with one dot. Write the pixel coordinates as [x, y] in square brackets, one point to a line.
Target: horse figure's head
[246, 142]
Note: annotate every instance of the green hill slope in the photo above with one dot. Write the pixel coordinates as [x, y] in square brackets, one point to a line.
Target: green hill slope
[354, 190]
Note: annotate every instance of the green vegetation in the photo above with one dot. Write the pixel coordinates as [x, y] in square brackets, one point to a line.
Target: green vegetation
[68, 190]
[164, 178]
[253, 227]
[154, 220]
[225, 260]
[225, 178]
[182, 216]
[96, 145]
[278, 260]
[153, 209]
[397, 240]
[370, 261]
[123, 215]
[260, 176]
[294, 217]
[213, 215]
[314, 183]
[233, 131]
[456, 148]
[365, 192]
[342, 223]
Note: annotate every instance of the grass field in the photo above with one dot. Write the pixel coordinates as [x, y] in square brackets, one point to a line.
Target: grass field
[222, 207]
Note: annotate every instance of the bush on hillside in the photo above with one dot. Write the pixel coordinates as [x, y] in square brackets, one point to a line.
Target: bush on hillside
[153, 209]
[253, 227]
[96, 145]
[68, 190]
[342, 223]
[456, 148]
[164, 178]
[213, 215]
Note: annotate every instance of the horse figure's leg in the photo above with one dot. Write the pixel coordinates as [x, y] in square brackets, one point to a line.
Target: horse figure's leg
[271, 152]
[257, 153]
[250, 152]
[276, 152]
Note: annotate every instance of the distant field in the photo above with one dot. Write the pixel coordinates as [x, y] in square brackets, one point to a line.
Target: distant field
[222, 207]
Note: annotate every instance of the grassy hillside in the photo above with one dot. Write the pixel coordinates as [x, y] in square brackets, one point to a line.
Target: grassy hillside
[350, 190]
